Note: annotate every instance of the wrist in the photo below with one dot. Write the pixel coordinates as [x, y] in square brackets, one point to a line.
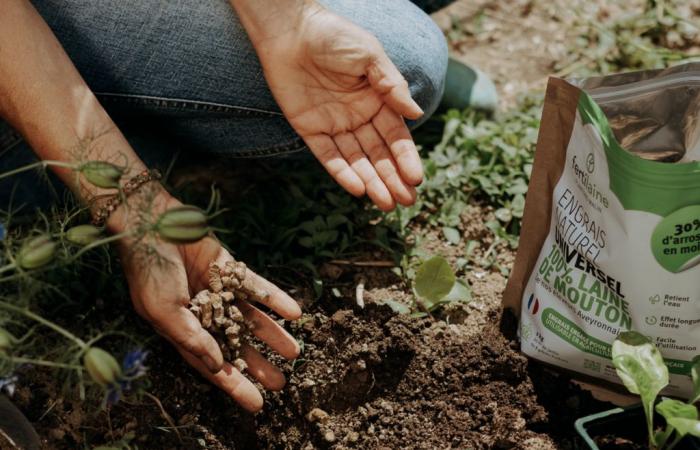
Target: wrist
[270, 20]
[150, 201]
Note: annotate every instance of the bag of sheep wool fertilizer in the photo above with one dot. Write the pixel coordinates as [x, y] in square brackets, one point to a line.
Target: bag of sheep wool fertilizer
[611, 232]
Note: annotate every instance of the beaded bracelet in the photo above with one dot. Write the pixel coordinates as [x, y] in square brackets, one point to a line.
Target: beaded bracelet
[131, 186]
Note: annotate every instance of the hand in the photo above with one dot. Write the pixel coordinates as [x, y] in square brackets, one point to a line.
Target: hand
[161, 292]
[345, 98]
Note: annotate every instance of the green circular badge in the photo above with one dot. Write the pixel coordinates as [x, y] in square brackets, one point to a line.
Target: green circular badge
[675, 241]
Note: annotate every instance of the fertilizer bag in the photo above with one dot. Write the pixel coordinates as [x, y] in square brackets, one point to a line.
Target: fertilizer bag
[611, 232]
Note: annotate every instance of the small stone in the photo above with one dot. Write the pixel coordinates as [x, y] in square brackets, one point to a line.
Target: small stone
[317, 415]
[307, 383]
[358, 366]
[329, 436]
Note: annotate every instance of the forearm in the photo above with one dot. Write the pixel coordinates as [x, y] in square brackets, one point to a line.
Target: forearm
[44, 97]
[264, 19]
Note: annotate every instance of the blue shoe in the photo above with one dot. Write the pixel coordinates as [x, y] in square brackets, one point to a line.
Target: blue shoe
[467, 87]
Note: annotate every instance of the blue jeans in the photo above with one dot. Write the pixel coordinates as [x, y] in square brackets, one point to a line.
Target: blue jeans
[183, 75]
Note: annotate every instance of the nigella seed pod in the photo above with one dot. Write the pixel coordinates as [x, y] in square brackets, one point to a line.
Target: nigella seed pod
[102, 366]
[6, 340]
[36, 252]
[182, 225]
[102, 173]
[84, 234]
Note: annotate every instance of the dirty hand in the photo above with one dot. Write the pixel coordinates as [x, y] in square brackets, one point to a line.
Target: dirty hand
[161, 290]
[346, 99]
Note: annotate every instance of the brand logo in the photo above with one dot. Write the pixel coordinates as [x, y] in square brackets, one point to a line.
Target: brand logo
[590, 162]
[585, 180]
[533, 304]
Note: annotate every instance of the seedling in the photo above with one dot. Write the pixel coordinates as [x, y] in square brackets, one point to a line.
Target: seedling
[436, 284]
[641, 368]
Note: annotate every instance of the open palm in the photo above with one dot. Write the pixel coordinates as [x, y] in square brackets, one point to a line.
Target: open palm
[161, 291]
[346, 99]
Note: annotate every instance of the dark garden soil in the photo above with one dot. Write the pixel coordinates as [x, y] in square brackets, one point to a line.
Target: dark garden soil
[367, 378]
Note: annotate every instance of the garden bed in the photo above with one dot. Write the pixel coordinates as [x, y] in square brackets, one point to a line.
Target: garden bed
[368, 377]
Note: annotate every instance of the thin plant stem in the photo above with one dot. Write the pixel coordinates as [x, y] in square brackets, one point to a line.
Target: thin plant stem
[47, 323]
[98, 243]
[663, 438]
[36, 165]
[675, 442]
[8, 267]
[41, 362]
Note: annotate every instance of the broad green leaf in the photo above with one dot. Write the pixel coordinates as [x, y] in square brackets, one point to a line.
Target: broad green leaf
[685, 426]
[503, 214]
[434, 279]
[641, 368]
[461, 292]
[639, 364]
[695, 376]
[306, 241]
[335, 220]
[669, 409]
[452, 235]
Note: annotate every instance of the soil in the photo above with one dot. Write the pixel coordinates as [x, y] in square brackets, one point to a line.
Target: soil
[367, 378]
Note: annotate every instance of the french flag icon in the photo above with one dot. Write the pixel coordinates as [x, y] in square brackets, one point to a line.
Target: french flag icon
[533, 304]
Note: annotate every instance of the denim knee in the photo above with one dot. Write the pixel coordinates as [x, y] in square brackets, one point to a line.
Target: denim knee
[425, 68]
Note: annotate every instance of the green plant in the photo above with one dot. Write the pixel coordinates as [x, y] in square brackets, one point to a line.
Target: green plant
[436, 284]
[483, 159]
[663, 33]
[36, 260]
[641, 368]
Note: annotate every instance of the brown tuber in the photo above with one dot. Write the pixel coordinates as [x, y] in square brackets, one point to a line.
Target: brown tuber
[216, 309]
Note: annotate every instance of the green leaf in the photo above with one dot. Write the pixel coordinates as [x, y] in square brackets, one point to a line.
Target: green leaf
[397, 307]
[452, 235]
[471, 246]
[642, 370]
[434, 279]
[503, 214]
[669, 408]
[306, 241]
[461, 292]
[639, 364]
[685, 426]
[335, 220]
[695, 375]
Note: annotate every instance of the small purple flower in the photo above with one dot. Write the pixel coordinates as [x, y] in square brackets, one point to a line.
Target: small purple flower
[133, 367]
[2, 232]
[133, 364]
[8, 385]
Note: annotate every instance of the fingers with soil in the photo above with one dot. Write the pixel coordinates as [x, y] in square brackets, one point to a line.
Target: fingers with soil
[262, 370]
[269, 331]
[229, 380]
[184, 329]
[277, 300]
